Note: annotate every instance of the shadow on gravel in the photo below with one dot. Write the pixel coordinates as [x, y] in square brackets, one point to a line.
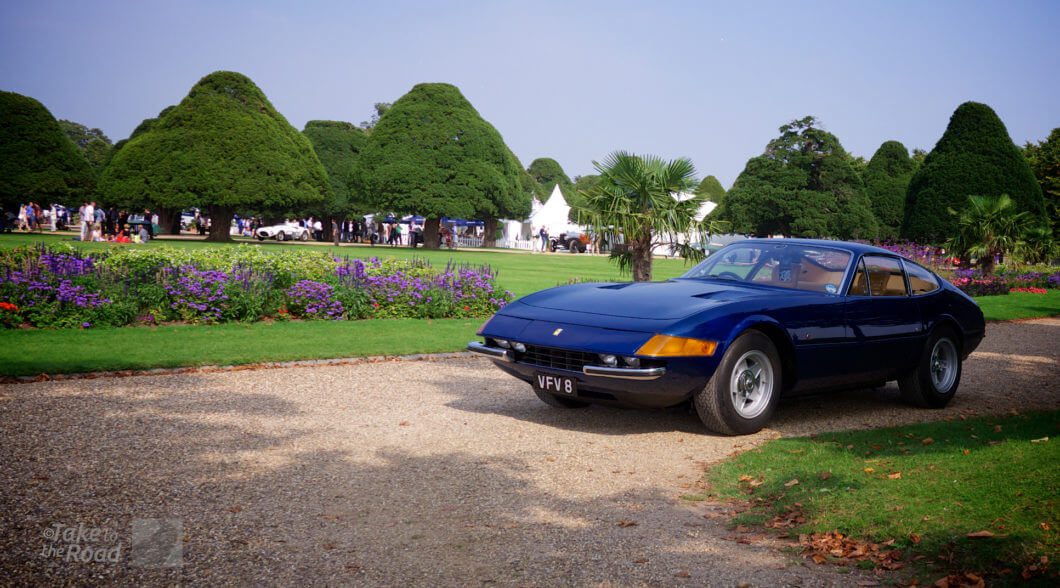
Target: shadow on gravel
[262, 503]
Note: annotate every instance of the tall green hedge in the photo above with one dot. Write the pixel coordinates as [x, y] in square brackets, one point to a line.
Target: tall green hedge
[887, 179]
[338, 145]
[975, 156]
[37, 160]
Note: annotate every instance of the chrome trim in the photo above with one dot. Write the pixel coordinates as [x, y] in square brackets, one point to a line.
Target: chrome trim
[624, 373]
[493, 352]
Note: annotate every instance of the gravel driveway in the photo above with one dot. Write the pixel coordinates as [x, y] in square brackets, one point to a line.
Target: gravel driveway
[413, 473]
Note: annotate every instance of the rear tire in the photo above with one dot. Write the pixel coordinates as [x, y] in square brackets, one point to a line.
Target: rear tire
[739, 399]
[304, 237]
[559, 401]
[933, 383]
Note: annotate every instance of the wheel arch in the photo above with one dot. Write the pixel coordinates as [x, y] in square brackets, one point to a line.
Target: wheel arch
[769, 327]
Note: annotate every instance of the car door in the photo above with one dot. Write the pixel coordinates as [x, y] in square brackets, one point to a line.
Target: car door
[884, 324]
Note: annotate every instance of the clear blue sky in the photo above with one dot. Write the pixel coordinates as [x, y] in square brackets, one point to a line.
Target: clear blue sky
[570, 80]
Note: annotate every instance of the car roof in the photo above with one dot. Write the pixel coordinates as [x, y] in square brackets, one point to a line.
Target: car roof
[852, 246]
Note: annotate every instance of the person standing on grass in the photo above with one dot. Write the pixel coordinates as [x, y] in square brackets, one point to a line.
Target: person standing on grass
[88, 215]
[543, 234]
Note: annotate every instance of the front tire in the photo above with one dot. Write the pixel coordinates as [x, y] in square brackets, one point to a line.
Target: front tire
[933, 383]
[559, 401]
[304, 237]
[281, 236]
[739, 399]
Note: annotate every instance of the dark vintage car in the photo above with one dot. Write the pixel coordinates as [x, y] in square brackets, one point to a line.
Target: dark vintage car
[757, 320]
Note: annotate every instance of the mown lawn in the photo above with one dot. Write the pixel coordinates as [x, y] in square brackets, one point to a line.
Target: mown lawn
[1020, 305]
[931, 488]
[26, 352]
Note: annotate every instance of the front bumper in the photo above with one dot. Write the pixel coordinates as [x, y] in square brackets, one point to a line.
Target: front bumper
[650, 387]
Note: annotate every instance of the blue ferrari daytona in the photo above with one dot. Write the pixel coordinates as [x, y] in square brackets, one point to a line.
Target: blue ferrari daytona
[756, 320]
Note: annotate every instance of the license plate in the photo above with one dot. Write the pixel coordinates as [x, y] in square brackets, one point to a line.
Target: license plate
[556, 384]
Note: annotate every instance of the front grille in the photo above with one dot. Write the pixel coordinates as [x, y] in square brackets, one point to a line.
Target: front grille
[561, 359]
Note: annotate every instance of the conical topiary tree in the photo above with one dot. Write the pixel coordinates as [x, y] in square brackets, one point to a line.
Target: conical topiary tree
[224, 147]
[886, 182]
[37, 160]
[711, 188]
[432, 154]
[547, 172]
[338, 145]
[975, 156]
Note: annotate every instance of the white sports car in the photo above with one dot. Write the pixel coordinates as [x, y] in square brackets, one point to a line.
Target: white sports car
[282, 232]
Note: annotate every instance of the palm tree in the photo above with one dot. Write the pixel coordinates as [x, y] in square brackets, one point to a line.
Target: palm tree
[988, 229]
[1038, 245]
[637, 196]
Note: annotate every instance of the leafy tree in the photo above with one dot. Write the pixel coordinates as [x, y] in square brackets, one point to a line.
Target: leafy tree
[224, 147]
[974, 156]
[37, 160]
[380, 109]
[586, 182]
[802, 186]
[711, 189]
[337, 144]
[1044, 159]
[547, 172]
[635, 196]
[886, 182]
[95, 146]
[434, 155]
[988, 228]
[919, 155]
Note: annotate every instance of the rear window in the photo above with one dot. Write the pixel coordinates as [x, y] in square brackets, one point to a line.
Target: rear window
[921, 281]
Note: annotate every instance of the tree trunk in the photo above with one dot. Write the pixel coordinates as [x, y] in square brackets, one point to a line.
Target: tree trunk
[489, 235]
[220, 224]
[169, 221]
[431, 233]
[641, 254]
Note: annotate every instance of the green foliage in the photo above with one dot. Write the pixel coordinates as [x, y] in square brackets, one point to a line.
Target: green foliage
[37, 161]
[433, 154]
[802, 186]
[974, 156]
[887, 179]
[711, 189]
[547, 172]
[224, 147]
[635, 197]
[338, 144]
[924, 487]
[95, 146]
[1044, 159]
[988, 228]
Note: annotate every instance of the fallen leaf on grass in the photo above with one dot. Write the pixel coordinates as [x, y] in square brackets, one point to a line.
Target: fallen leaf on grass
[790, 483]
[997, 428]
[966, 451]
[895, 476]
[1042, 440]
[869, 470]
[979, 535]
[927, 441]
[824, 475]
[914, 538]
[1044, 526]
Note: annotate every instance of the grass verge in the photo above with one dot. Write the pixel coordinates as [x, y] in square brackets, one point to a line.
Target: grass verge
[1020, 305]
[979, 495]
[26, 353]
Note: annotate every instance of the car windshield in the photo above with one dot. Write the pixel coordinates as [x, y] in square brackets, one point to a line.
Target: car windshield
[785, 265]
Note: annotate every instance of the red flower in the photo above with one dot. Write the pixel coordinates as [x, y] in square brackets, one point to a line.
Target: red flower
[8, 306]
[467, 308]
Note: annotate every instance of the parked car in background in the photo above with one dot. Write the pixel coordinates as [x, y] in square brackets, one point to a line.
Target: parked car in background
[282, 232]
[756, 320]
[575, 241]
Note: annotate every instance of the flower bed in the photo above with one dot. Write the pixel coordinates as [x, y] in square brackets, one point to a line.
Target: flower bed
[44, 286]
[1035, 279]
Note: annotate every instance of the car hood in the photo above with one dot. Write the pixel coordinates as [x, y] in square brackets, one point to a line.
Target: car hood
[673, 299]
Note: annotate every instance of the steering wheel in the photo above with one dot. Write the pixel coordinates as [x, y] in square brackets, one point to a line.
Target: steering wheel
[730, 276]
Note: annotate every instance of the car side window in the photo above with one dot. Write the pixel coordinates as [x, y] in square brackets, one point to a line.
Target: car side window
[921, 281]
[885, 276]
[860, 285]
